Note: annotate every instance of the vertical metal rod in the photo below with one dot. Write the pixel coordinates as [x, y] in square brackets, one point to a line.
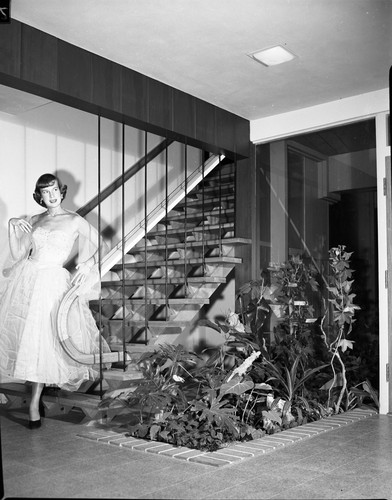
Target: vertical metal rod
[203, 222]
[235, 191]
[100, 259]
[166, 231]
[220, 208]
[145, 238]
[186, 219]
[123, 239]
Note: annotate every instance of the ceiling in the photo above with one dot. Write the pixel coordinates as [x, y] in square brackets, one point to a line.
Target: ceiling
[358, 136]
[343, 47]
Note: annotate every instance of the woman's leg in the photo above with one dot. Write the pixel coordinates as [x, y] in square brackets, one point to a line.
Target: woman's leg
[36, 392]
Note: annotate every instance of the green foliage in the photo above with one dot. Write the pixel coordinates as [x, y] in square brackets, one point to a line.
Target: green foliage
[362, 392]
[343, 309]
[290, 380]
[293, 285]
[243, 388]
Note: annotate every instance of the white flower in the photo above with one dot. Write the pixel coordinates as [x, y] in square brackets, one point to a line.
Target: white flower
[241, 370]
[270, 400]
[233, 320]
[177, 378]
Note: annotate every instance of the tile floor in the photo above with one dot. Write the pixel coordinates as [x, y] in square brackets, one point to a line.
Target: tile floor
[353, 461]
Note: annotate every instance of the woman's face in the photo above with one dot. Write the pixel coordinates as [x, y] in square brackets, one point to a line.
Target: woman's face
[51, 195]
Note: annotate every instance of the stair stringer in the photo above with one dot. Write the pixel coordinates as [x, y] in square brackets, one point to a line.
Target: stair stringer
[155, 216]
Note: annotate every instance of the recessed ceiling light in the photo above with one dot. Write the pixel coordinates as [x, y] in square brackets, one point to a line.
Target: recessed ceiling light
[272, 56]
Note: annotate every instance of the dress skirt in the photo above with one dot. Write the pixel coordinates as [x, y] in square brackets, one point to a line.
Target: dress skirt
[29, 346]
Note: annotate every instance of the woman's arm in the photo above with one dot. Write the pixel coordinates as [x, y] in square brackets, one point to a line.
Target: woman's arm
[17, 230]
[88, 254]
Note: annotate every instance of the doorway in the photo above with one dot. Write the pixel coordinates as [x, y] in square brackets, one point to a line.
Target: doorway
[327, 192]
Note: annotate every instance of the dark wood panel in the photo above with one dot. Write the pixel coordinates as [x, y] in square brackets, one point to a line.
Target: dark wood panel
[184, 120]
[244, 199]
[39, 57]
[160, 104]
[205, 122]
[134, 96]
[224, 128]
[68, 74]
[245, 218]
[10, 49]
[106, 82]
[74, 71]
[241, 142]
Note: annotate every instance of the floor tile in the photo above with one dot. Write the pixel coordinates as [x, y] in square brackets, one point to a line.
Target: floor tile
[352, 461]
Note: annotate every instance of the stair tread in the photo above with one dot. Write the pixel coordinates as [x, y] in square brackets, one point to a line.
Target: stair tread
[192, 244]
[198, 215]
[131, 347]
[195, 202]
[154, 301]
[162, 281]
[152, 323]
[119, 374]
[179, 262]
[190, 230]
[214, 176]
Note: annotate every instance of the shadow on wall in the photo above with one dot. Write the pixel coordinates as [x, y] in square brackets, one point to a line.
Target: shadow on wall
[73, 188]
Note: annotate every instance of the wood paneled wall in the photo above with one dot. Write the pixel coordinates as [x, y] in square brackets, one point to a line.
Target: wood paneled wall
[36, 62]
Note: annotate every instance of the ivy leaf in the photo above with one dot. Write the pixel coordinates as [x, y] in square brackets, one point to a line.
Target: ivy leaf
[272, 415]
[224, 417]
[346, 344]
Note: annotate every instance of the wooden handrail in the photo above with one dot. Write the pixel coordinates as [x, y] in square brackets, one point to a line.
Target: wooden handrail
[67, 344]
[88, 207]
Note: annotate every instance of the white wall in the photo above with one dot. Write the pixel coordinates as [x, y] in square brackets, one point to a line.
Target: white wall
[59, 139]
[313, 118]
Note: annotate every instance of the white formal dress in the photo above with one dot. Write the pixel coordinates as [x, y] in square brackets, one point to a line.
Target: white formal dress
[29, 301]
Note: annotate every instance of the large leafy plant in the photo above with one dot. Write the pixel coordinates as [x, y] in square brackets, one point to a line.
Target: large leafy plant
[293, 284]
[341, 313]
[244, 388]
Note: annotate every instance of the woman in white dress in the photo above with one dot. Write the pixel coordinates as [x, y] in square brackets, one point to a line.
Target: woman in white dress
[33, 289]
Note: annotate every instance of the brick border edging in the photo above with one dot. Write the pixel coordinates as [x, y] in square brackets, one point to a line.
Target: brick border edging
[235, 452]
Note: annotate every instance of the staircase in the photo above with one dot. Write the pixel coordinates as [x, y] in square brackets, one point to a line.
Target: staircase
[171, 274]
[158, 290]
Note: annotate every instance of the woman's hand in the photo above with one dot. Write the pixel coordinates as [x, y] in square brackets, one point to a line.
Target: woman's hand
[83, 270]
[22, 224]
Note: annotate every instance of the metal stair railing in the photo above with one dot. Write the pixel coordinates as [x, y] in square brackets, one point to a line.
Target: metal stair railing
[117, 253]
[124, 177]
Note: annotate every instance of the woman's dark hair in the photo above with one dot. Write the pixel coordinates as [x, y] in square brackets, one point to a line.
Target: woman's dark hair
[44, 181]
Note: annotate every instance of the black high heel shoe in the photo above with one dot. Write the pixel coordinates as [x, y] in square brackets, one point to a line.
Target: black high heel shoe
[41, 408]
[34, 424]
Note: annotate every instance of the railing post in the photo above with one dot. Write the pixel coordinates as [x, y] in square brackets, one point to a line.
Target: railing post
[166, 231]
[220, 208]
[100, 259]
[186, 219]
[203, 221]
[123, 326]
[145, 239]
